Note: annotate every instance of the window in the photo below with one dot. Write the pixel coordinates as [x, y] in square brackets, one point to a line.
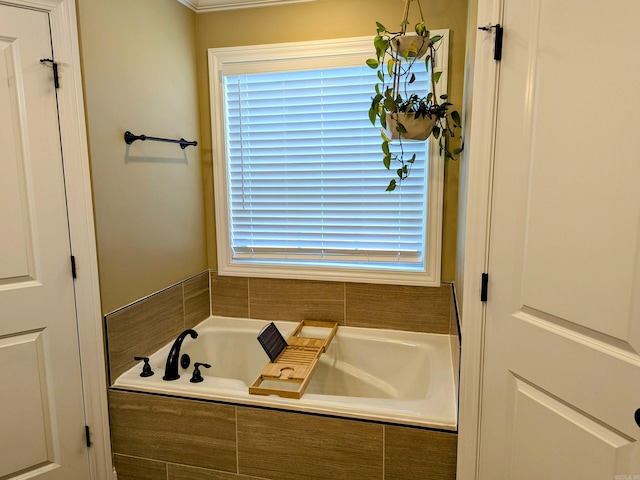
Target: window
[298, 175]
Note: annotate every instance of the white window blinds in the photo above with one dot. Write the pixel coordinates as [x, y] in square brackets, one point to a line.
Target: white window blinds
[307, 181]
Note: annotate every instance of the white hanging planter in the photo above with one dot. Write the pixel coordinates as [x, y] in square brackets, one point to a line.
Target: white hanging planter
[410, 46]
[416, 128]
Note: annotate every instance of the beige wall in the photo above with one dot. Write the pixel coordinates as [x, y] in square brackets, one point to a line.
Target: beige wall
[322, 20]
[139, 69]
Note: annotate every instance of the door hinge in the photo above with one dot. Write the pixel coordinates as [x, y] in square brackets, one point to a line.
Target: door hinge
[54, 65]
[87, 435]
[497, 46]
[485, 287]
[73, 267]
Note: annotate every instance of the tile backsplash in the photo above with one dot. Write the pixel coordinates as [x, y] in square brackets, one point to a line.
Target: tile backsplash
[144, 326]
[418, 309]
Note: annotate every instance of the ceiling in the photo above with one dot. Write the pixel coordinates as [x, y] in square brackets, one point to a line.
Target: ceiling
[204, 6]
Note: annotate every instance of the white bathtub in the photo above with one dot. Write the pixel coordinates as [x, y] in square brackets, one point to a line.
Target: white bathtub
[381, 375]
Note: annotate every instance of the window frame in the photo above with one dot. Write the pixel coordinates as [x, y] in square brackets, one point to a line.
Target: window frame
[310, 55]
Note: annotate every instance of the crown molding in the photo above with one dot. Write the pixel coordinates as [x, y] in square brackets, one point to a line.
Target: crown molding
[206, 6]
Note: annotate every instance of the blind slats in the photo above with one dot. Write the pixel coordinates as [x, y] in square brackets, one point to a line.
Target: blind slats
[306, 182]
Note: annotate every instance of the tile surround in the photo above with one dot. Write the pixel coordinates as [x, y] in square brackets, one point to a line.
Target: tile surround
[144, 326]
[412, 454]
[290, 446]
[229, 296]
[295, 300]
[134, 468]
[156, 437]
[201, 434]
[400, 307]
[417, 309]
[179, 439]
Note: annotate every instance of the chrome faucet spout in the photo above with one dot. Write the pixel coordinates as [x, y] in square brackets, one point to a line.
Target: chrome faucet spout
[171, 369]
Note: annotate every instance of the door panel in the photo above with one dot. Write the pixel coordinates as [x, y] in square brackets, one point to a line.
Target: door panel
[546, 427]
[25, 408]
[16, 225]
[561, 379]
[41, 403]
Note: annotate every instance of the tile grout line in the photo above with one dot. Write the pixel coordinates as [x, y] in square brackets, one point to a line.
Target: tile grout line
[249, 297]
[184, 308]
[384, 450]
[237, 444]
[344, 303]
[210, 292]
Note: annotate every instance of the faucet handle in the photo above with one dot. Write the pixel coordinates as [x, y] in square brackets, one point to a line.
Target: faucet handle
[146, 368]
[197, 376]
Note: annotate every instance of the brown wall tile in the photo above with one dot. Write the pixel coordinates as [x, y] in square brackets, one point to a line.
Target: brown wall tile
[417, 309]
[183, 472]
[290, 446]
[453, 315]
[296, 300]
[132, 468]
[173, 430]
[455, 338]
[414, 454]
[197, 301]
[229, 296]
[143, 327]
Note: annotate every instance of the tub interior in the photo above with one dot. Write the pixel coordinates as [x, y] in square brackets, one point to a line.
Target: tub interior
[351, 366]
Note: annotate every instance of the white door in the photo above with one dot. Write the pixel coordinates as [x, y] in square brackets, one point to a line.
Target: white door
[561, 379]
[41, 403]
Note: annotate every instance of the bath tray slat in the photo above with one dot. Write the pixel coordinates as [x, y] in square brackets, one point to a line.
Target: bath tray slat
[296, 363]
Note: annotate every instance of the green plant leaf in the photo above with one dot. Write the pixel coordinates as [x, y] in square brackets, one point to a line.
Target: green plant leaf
[436, 76]
[386, 160]
[372, 115]
[384, 136]
[421, 29]
[381, 44]
[390, 65]
[381, 28]
[389, 104]
[444, 96]
[373, 63]
[385, 148]
[455, 116]
[457, 151]
[436, 38]
[412, 159]
[412, 79]
[392, 186]
[380, 76]
[435, 132]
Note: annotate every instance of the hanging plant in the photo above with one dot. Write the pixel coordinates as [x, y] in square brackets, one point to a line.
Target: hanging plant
[402, 113]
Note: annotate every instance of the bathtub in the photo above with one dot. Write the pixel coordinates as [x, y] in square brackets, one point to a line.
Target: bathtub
[380, 375]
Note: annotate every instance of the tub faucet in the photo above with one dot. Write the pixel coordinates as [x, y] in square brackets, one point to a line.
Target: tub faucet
[171, 370]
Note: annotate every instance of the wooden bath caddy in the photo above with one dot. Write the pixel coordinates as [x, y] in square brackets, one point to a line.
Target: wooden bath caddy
[296, 363]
